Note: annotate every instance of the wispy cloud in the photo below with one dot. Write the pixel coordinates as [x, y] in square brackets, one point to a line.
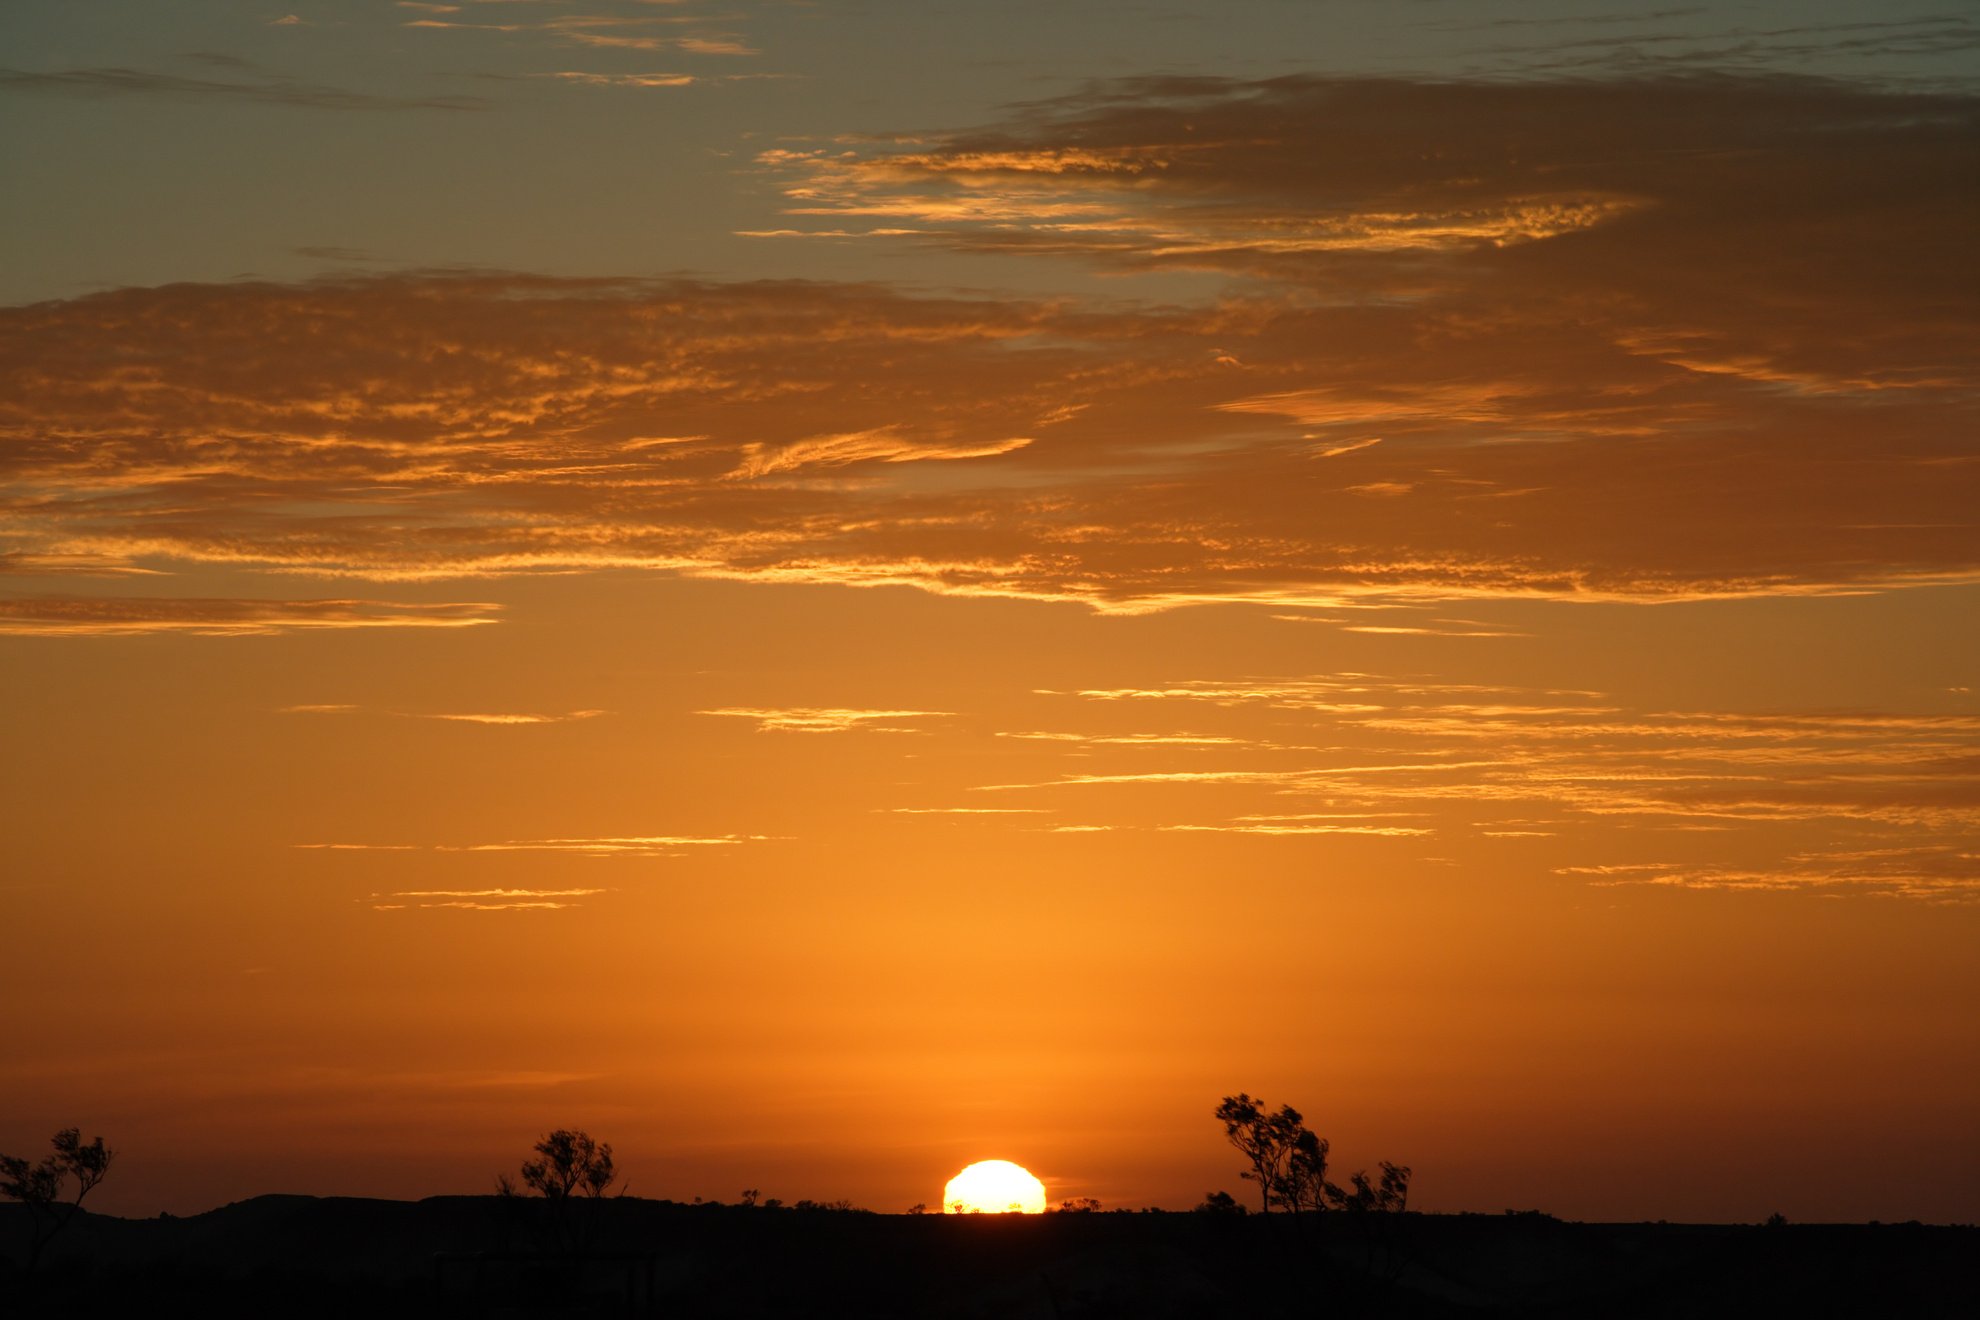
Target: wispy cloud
[639, 845]
[823, 719]
[692, 34]
[494, 718]
[1407, 757]
[481, 900]
[1268, 827]
[1942, 873]
[102, 616]
[1595, 324]
[267, 89]
[644, 80]
[515, 719]
[886, 444]
[966, 811]
[1135, 739]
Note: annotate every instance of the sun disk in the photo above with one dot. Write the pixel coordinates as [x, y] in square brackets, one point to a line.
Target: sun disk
[994, 1187]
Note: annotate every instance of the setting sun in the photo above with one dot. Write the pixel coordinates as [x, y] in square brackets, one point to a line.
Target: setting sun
[994, 1187]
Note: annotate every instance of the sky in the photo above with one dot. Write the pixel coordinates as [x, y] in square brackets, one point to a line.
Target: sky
[827, 591]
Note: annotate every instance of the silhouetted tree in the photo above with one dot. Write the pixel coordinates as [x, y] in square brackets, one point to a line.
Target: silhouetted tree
[1220, 1203]
[1289, 1163]
[39, 1186]
[1079, 1205]
[1266, 1139]
[1389, 1196]
[1303, 1186]
[569, 1166]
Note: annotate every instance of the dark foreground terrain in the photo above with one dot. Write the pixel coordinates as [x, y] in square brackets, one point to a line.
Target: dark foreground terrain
[480, 1256]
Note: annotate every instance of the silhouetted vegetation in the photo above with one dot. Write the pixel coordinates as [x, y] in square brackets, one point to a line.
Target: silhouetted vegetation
[1220, 1203]
[611, 1254]
[569, 1169]
[41, 1187]
[301, 1258]
[1289, 1163]
[840, 1206]
[1078, 1205]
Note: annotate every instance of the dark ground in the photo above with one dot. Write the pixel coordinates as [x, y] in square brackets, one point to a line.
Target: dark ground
[479, 1256]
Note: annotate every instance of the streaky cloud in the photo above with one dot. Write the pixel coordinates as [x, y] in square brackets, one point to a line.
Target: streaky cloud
[267, 90]
[100, 616]
[821, 719]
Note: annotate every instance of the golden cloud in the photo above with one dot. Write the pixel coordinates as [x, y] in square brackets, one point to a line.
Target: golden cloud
[1598, 371]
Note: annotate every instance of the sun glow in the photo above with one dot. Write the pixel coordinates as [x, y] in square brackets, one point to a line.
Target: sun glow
[994, 1187]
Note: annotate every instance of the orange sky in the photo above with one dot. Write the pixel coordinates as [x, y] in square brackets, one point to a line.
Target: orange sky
[1443, 596]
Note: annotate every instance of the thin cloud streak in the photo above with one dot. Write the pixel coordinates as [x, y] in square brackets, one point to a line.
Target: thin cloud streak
[482, 900]
[1517, 765]
[499, 719]
[653, 845]
[140, 616]
[266, 90]
[820, 719]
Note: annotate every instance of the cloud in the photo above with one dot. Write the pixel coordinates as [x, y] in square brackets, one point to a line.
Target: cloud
[514, 719]
[1437, 628]
[819, 719]
[72, 564]
[274, 427]
[100, 616]
[1942, 873]
[966, 811]
[262, 88]
[1598, 370]
[1274, 828]
[647, 845]
[1744, 48]
[648, 80]
[1136, 739]
[690, 33]
[1856, 801]
[500, 719]
[482, 900]
[885, 444]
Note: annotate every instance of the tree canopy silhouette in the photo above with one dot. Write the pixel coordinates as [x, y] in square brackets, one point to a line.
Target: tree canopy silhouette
[1267, 1140]
[40, 1186]
[1289, 1163]
[569, 1168]
[569, 1163]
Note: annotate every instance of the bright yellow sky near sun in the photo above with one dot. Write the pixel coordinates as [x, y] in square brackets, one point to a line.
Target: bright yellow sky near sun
[1447, 601]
